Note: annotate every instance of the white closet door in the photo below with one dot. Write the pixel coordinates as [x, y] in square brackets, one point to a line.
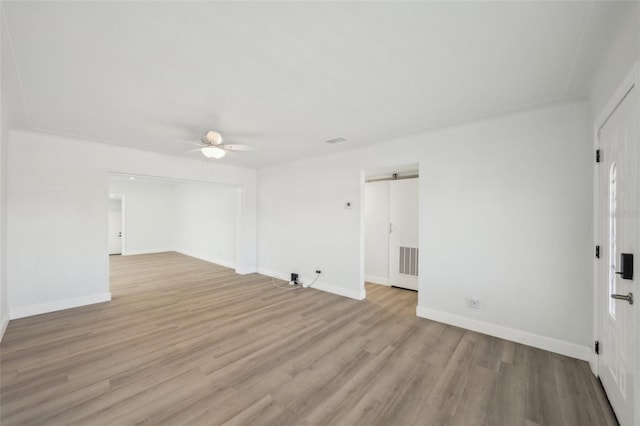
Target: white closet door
[115, 233]
[403, 233]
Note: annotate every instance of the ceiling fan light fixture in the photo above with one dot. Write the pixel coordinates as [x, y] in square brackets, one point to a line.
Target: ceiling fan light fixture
[213, 152]
[214, 137]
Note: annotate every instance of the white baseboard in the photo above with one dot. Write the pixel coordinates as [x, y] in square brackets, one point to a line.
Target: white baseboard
[341, 291]
[245, 271]
[4, 322]
[376, 279]
[274, 274]
[59, 305]
[593, 363]
[146, 251]
[530, 339]
[206, 258]
[319, 285]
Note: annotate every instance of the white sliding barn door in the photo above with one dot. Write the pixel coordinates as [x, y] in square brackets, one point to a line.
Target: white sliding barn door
[403, 233]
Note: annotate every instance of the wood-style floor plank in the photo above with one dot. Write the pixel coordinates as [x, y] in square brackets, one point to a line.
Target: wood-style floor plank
[188, 342]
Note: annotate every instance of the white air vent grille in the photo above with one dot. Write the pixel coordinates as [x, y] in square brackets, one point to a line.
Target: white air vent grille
[409, 261]
[336, 140]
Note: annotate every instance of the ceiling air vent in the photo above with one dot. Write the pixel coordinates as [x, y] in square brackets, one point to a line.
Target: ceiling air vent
[336, 140]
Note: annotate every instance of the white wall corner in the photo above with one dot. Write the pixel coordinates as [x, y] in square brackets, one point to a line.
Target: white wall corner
[4, 322]
[340, 291]
[537, 341]
[319, 285]
[274, 274]
[147, 251]
[221, 262]
[376, 279]
[27, 311]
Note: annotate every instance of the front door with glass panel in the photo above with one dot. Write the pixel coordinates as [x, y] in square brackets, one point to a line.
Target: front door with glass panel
[618, 234]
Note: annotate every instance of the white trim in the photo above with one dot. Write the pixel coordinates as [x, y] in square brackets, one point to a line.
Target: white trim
[593, 362]
[146, 251]
[238, 253]
[27, 311]
[3, 327]
[206, 258]
[362, 243]
[595, 319]
[245, 271]
[377, 280]
[629, 80]
[542, 342]
[319, 285]
[123, 220]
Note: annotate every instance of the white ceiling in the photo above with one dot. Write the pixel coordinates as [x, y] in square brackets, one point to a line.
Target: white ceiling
[283, 77]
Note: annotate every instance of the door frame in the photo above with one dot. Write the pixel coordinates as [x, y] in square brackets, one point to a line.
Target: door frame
[632, 79]
[383, 169]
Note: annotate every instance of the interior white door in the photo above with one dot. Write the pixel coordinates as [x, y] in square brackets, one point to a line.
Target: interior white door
[115, 232]
[403, 233]
[618, 224]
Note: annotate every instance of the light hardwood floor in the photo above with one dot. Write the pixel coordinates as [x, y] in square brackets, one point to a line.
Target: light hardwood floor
[187, 342]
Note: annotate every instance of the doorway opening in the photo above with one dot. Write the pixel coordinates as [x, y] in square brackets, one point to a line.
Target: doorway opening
[169, 218]
[391, 239]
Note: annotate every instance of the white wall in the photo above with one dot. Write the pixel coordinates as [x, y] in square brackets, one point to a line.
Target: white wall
[205, 219]
[376, 241]
[57, 215]
[150, 216]
[505, 216]
[4, 140]
[4, 305]
[12, 115]
[303, 224]
[620, 55]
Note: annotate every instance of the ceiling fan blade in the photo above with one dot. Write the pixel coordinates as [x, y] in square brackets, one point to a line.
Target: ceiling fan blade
[192, 143]
[236, 147]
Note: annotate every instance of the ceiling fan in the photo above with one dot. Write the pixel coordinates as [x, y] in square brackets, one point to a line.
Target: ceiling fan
[211, 145]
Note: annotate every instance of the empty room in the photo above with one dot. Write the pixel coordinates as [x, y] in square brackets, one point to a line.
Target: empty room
[319, 213]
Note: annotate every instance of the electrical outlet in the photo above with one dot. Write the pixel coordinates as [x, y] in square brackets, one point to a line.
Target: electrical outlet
[318, 271]
[474, 303]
